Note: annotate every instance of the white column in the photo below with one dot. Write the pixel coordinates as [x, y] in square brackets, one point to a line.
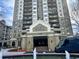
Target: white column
[20, 9]
[23, 43]
[45, 11]
[60, 8]
[34, 10]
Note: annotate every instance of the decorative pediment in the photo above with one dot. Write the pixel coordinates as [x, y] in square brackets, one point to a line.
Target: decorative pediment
[39, 27]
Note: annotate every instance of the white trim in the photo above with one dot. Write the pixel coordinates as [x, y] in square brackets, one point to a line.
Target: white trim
[46, 19]
[20, 5]
[60, 7]
[34, 19]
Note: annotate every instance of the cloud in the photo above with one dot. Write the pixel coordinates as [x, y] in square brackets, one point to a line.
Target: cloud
[9, 21]
[6, 10]
[0, 8]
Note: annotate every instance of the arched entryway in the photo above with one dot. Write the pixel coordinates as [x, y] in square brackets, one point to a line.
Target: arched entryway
[0, 44]
[13, 44]
[40, 43]
[5, 44]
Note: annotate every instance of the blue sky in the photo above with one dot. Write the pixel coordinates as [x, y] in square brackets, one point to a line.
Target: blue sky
[6, 11]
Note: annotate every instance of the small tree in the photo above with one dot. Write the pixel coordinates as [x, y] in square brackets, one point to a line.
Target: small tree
[74, 12]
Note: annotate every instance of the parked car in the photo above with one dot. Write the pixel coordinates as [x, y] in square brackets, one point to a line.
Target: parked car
[70, 44]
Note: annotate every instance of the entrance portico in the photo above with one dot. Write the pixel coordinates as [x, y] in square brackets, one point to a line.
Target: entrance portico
[40, 37]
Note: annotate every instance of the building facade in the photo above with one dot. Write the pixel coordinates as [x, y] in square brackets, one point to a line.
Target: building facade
[5, 34]
[40, 23]
[2, 30]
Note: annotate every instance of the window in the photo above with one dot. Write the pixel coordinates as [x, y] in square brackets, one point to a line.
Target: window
[20, 1]
[58, 2]
[23, 28]
[34, 0]
[45, 0]
[20, 5]
[60, 14]
[30, 9]
[59, 6]
[45, 15]
[59, 10]
[45, 11]
[23, 33]
[29, 17]
[55, 16]
[34, 11]
[45, 7]
[27, 13]
[54, 0]
[20, 13]
[25, 9]
[34, 4]
[34, 7]
[19, 16]
[46, 19]
[57, 31]
[34, 15]
[44, 3]
[25, 17]
[54, 24]
[20, 9]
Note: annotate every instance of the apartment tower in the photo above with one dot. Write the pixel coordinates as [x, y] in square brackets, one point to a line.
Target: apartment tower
[40, 23]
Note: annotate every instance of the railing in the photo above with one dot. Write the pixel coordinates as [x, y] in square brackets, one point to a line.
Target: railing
[42, 56]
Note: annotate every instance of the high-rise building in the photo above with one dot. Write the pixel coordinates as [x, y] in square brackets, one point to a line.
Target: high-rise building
[41, 19]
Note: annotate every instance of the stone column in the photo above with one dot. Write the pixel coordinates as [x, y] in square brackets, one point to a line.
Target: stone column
[30, 43]
[2, 44]
[23, 43]
[10, 43]
[16, 43]
[52, 42]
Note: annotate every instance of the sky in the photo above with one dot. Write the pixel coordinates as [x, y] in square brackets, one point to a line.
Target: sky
[6, 11]
[74, 15]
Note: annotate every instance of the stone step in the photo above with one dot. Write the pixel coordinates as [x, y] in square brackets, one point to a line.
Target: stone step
[42, 48]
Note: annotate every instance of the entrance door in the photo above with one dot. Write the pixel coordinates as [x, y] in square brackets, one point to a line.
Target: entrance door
[40, 42]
